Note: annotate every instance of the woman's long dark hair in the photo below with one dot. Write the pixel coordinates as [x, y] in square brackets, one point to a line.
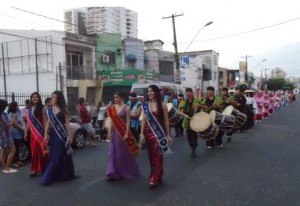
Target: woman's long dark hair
[3, 105]
[159, 101]
[61, 102]
[39, 108]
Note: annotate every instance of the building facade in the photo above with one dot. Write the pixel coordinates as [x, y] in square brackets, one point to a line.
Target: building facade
[223, 77]
[278, 73]
[207, 67]
[45, 61]
[75, 21]
[103, 19]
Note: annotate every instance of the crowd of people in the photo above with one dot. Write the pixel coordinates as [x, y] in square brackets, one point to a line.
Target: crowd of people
[134, 125]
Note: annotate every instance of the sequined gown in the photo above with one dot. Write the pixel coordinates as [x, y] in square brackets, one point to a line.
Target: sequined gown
[155, 157]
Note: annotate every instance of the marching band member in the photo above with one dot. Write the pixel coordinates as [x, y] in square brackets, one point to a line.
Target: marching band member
[240, 99]
[211, 102]
[226, 101]
[266, 102]
[178, 127]
[259, 102]
[155, 132]
[190, 107]
[250, 107]
[272, 102]
[277, 101]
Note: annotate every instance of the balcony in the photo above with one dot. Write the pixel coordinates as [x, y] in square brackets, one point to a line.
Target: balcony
[80, 73]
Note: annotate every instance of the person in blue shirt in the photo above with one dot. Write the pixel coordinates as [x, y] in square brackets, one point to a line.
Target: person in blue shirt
[17, 131]
[135, 112]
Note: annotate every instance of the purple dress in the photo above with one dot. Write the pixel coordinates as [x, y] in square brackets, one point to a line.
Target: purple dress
[122, 164]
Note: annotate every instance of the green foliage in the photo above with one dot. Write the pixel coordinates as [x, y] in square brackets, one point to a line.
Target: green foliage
[279, 84]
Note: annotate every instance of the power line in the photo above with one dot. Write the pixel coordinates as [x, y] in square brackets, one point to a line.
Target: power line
[63, 45]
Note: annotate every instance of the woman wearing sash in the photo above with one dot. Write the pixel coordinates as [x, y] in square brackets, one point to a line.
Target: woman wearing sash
[34, 117]
[155, 132]
[60, 167]
[122, 164]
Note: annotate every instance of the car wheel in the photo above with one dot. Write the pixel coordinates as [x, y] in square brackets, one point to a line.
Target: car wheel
[79, 139]
[23, 152]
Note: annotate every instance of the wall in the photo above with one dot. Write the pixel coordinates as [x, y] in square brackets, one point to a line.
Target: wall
[21, 66]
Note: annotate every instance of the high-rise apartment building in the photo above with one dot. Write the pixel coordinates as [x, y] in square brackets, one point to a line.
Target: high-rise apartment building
[75, 21]
[107, 19]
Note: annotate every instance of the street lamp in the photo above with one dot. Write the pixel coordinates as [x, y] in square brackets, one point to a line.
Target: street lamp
[258, 64]
[207, 24]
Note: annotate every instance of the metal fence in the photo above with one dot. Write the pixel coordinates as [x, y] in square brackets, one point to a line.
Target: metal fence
[21, 97]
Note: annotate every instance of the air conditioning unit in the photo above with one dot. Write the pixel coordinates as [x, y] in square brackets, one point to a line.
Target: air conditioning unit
[105, 58]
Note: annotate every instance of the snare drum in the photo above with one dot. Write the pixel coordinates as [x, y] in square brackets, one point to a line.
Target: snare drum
[173, 114]
[224, 122]
[240, 118]
[203, 124]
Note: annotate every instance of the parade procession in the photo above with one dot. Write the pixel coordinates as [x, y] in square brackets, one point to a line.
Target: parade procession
[142, 123]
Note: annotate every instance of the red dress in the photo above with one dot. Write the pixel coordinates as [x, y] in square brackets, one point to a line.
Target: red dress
[155, 157]
[38, 160]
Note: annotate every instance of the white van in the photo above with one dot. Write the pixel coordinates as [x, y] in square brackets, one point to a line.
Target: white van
[166, 87]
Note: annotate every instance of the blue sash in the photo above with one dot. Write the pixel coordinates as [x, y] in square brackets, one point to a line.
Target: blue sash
[59, 129]
[38, 126]
[156, 129]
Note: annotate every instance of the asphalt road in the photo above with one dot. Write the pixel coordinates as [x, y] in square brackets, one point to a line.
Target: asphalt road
[260, 167]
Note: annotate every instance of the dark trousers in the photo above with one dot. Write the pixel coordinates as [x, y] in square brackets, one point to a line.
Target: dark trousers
[217, 141]
[178, 128]
[136, 133]
[192, 139]
[18, 144]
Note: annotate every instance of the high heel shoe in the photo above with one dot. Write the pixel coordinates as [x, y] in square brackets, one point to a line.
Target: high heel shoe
[33, 174]
[153, 185]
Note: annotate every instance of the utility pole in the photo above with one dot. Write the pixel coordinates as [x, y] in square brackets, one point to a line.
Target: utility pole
[4, 73]
[246, 72]
[261, 80]
[60, 77]
[265, 86]
[178, 78]
[36, 66]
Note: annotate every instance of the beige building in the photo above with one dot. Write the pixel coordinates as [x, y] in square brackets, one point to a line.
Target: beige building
[223, 77]
[278, 72]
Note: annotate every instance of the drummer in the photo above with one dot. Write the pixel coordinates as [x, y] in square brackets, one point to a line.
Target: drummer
[211, 102]
[227, 100]
[178, 127]
[240, 100]
[189, 107]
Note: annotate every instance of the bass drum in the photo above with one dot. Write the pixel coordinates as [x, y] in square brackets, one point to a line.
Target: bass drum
[225, 122]
[240, 118]
[202, 124]
[173, 114]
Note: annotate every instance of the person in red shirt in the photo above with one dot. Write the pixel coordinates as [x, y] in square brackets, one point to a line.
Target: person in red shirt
[85, 119]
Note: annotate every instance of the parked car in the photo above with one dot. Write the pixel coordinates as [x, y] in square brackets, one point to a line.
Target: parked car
[77, 132]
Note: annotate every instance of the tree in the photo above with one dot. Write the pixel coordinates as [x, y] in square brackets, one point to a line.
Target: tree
[276, 83]
[279, 84]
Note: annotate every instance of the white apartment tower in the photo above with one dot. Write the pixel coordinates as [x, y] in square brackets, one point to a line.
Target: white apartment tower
[75, 21]
[107, 19]
[112, 20]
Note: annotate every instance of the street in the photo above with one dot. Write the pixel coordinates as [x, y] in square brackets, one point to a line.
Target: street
[259, 167]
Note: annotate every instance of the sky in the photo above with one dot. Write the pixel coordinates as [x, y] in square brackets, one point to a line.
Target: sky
[260, 29]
